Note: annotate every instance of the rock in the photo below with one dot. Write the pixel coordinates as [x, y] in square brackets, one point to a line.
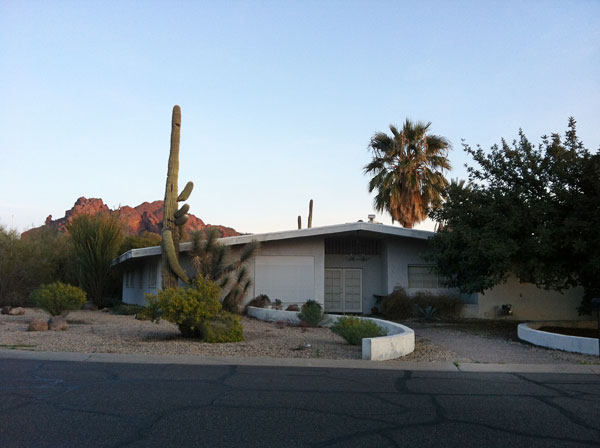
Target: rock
[18, 311]
[57, 323]
[146, 217]
[38, 325]
[5, 309]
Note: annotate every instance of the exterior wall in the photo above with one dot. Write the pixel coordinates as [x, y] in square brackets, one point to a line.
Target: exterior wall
[372, 275]
[141, 271]
[530, 302]
[313, 247]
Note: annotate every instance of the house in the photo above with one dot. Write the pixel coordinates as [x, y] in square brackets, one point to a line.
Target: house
[346, 267]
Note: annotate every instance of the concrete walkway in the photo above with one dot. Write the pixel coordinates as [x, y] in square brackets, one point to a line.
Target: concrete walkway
[299, 362]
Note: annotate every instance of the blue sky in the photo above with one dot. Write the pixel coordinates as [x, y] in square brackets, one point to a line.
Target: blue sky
[279, 99]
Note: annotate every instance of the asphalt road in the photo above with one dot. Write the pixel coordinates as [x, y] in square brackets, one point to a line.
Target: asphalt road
[76, 404]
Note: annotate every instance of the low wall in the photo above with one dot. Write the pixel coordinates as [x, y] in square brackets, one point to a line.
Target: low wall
[529, 332]
[399, 341]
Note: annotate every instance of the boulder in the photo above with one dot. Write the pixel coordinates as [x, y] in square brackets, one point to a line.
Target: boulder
[38, 325]
[5, 309]
[18, 311]
[57, 323]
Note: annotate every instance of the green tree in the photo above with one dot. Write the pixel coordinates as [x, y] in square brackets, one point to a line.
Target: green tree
[213, 261]
[146, 239]
[408, 171]
[96, 241]
[532, 211]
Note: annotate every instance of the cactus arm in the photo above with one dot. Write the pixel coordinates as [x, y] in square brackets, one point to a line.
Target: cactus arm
[182, 211]
[180, 222]
[185, 193]
[169, 250]
[299, 222]
[310, 208]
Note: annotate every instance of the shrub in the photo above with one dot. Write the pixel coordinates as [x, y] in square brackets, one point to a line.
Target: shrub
[311, 313]
[397, 305]
[353, 329]
[196, 311]
[293, 307]
[446, 306]
[126, 309]
[226, 327]
[260, 301]
[58, 298]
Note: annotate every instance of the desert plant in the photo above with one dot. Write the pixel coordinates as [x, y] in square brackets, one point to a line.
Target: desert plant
[58, 298]
[126, 309]
[311, 313]
[293, 307]
[427, 313]
[96, 240]
[353, 329]
[225, 327]
[174, 219]
[277, 305]
[196, 310]
[397, 305]
[446, 306]
[260, 301]
[213, 261]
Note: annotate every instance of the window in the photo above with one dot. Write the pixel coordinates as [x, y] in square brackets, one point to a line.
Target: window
[422, 276]
[352, 246]
[152, 275]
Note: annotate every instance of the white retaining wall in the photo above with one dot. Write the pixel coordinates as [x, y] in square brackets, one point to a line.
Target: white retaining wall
[399, 341]
[529, 332]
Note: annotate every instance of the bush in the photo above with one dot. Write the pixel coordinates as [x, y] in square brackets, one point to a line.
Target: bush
[311, 313]
[58, 298]
[353, 329]
[260, 301]
[226, 327]
[126, 309]
[397, 305]
[196, 311]
[446, 306]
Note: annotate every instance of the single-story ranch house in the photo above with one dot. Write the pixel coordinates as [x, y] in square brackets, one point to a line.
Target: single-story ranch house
[346, 267]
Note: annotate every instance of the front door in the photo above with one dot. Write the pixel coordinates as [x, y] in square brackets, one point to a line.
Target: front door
[343, 290]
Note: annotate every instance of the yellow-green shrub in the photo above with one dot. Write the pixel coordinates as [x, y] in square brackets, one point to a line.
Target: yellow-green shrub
[58, 298]
[196, 310]
[353, 329]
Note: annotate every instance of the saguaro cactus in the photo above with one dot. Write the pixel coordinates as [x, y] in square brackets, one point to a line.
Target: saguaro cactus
[299, 222]
[174, 219]
[310, 206]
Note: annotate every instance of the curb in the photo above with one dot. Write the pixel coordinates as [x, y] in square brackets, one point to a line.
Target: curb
[468, 367]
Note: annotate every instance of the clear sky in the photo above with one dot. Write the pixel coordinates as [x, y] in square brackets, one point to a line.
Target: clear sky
[279, 99]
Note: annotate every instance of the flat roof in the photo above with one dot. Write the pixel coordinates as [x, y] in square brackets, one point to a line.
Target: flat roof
[366, 227]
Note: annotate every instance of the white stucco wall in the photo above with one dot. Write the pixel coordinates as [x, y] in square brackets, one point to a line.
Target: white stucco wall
[140, 268]
[530, 302]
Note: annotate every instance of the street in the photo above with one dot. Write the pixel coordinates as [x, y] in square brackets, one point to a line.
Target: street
[74, 404]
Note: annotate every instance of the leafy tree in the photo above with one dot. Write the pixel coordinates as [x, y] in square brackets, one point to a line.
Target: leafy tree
[407, 169]
[146, 239]
[533, 211]
[96, 241]
[213, 261]
[42, 256]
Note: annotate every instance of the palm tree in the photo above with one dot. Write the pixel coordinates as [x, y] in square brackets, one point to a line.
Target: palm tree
[213, 261]
[407, 169]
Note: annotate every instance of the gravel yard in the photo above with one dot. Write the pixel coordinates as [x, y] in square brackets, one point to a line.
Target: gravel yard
[99, 332]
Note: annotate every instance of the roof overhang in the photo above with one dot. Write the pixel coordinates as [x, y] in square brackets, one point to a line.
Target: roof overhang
[356, 228]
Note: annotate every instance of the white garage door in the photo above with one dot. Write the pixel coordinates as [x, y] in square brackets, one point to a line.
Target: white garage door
[288, 278]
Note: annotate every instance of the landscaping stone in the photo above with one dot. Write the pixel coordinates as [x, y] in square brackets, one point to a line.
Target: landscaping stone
[57, 323]
[38, 324]
[18, 311]
[5, 309]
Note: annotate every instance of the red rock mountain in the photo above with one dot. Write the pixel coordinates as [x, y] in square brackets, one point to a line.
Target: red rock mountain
[146, 217]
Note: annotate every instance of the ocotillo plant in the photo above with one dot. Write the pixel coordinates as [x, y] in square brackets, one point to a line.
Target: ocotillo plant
[310, 207]
[173, 219]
